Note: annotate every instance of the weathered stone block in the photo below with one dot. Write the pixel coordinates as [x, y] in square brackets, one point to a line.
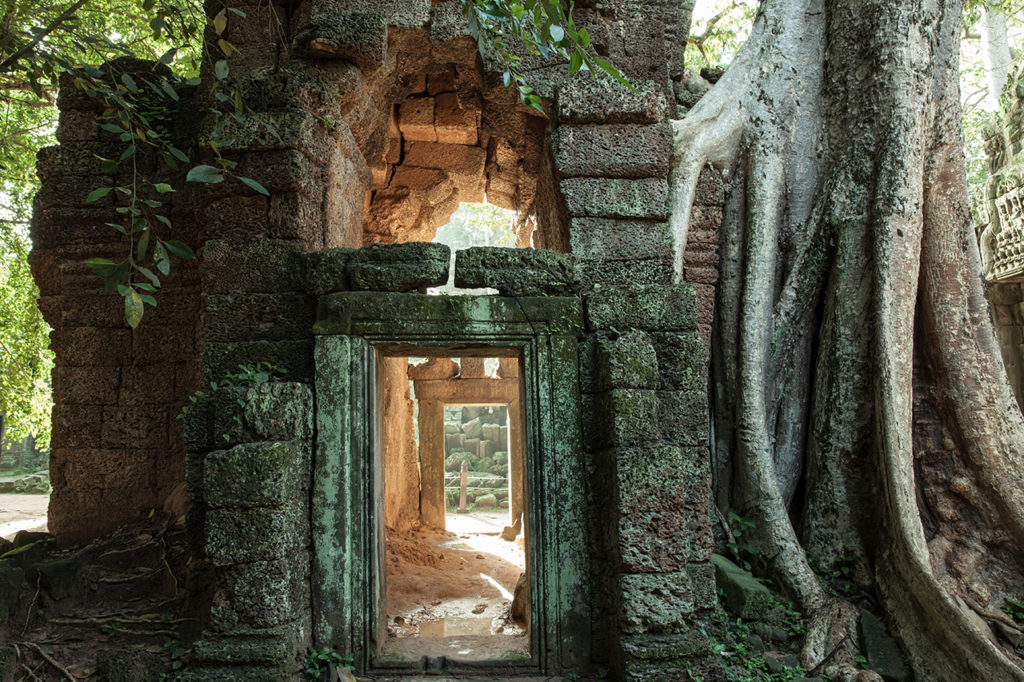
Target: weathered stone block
[410, 266]
[626, 361]
[260, 266]
[263, 648]
[682, 360]
[262, 594]
[655, 602]
[257, 475]
[454, 124]
[358, 37]
[625, 240]
[883, 654]
[613, 151]
[595, 274]
[601, 100]
[257, 317]
[662, 506]
[327, 270]
[683, 416]
[627, 417]
[416, 119]
[655, 308]
[741, 594]
[516, 272]
[237, 536]
[431, 186]
[663, 658]
[616, 197]
[464, 164]
[280, 411]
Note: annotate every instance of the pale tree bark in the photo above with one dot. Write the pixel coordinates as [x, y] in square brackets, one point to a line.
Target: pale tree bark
[996, 54]
[860, 406]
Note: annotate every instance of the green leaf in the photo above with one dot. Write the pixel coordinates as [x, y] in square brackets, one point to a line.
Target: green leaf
[98, 194]
[221, 70]
[133, 308]
[143, 245]
[150, 276]
[102, 266]
[557, 32]
[163, 187]
[179, 249]
[576, 62]
[205, 173]
[254, 185]
[161, 259]
[129, 82]
[178, 154]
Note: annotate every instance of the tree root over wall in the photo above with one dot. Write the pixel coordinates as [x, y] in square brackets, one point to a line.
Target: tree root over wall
[860, 402]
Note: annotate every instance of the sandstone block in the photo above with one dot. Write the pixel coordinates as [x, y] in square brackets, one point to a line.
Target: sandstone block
[626, 417]
[627, 240]
[626, 361]
[265, 265]
[600, 100]
[517, 272]
[465, 165]
[239, 536]
[742, 595]
[256, 475]
[431, 186]
[656, 308]
[325, 33]
[410, 266]
[613, 151]
[656, 602]
[416, 119]
[616, 197]
[327, 270]
[454, 124]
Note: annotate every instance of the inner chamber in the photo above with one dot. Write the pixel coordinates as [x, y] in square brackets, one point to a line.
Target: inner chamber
[456, 578]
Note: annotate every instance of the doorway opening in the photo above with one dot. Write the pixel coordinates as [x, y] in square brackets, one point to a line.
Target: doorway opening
[456, 581]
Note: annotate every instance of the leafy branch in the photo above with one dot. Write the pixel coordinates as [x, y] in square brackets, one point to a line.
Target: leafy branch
[543, 28]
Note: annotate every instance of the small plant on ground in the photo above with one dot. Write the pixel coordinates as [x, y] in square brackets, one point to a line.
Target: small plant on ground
[1014, 609]
[318, 662]
[736, 545]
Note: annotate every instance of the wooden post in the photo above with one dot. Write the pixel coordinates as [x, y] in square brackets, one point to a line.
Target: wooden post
[463, 480]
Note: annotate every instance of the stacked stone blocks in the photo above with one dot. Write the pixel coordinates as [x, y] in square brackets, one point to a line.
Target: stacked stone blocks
[644, 367]
[248, 477]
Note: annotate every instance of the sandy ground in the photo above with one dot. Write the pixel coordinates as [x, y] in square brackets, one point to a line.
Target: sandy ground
[22, 512]
[449, 592]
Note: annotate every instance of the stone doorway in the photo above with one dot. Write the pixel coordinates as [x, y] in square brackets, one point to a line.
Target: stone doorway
[456, 581]
[363, 342]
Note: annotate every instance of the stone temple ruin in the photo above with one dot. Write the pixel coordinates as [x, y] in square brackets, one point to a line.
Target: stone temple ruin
[1002, 240]
[372, 122]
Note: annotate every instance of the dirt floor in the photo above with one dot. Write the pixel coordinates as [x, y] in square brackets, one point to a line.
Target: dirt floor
[449, 593]
[22, 512]
[115, 609]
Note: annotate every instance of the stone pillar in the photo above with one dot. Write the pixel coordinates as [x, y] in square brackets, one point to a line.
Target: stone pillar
[431, 428]
[401, 468]
[516, 462]
[644, 374]
[249, 475]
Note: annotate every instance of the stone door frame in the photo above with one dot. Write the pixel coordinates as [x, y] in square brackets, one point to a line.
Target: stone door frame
[347, 515]
[433, 395]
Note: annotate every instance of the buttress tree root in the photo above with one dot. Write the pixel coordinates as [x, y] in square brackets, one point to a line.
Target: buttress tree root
[861, 408]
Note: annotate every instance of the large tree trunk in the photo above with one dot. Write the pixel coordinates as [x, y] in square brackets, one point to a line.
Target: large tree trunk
[860, 406]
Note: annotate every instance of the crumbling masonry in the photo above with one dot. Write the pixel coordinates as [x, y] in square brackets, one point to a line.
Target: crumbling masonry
[372, 121]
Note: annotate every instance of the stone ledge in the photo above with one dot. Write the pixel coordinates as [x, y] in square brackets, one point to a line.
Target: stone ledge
[412, 266]
[600, 100]
[613, 151]
[517, 272]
